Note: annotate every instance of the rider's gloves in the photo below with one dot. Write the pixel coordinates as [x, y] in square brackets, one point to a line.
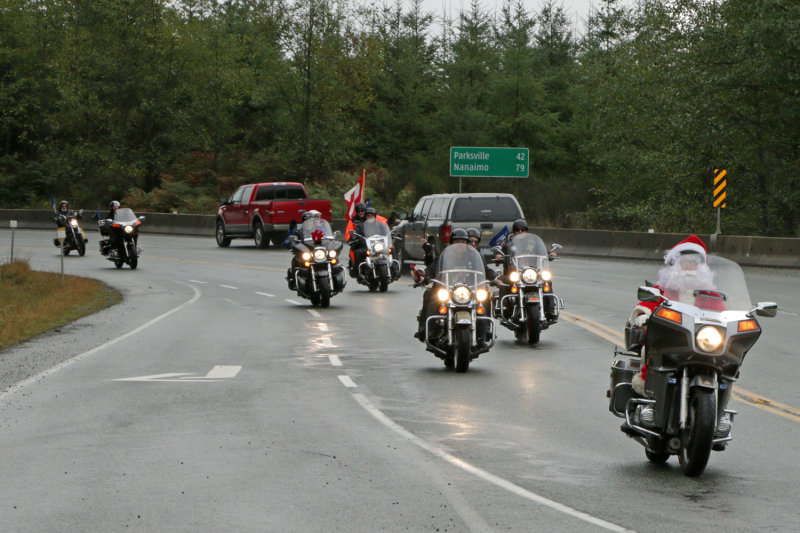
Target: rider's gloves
[641, 320]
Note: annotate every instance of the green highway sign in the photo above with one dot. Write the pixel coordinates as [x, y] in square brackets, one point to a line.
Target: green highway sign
[475, 162]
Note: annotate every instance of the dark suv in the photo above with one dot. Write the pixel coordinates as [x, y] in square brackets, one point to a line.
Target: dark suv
[440, 214]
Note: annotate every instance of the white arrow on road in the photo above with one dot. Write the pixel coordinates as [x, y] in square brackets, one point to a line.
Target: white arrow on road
[217, 373]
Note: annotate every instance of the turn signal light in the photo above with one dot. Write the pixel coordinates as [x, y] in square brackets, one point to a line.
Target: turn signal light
[514, 290]
[443, 310]
[307, 263]
[669, 314]
[748, 325]
[480, 310]
[546, 288]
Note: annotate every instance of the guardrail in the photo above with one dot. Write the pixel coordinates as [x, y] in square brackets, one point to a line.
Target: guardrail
[751, 251]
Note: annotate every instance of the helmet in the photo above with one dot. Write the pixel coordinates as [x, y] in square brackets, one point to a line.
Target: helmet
[371, 211]
[473, 233]
[63, 202]
[113, 204]
[361, 206]
[458, 234]
[308, 214]
[519, 225]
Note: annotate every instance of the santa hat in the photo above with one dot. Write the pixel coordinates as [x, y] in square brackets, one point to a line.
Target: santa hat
[690, 245]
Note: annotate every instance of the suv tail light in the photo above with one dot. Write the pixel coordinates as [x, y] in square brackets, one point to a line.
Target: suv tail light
[444, 233]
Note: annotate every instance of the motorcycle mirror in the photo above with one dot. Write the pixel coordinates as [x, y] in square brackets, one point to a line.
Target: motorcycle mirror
[337, 234]
[769, 309]
[648, 294]
[555, 247]
[141, 217]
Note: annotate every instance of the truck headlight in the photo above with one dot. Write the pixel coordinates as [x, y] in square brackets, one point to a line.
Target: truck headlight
[529, 275]
[709, 338]
[462, 294]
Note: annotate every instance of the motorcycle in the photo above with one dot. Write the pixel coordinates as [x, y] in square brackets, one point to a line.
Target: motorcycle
[316, 274]
[122, 235]
[379, 267]
[693, 351]
[70, 233]
[526, 303]
[462, 329]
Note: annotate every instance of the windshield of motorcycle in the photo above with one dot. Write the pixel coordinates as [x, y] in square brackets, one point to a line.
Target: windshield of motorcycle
[716, 285]
[528, 250]
[461, 263]
[124, 214]
[375, 227]
[313, 224]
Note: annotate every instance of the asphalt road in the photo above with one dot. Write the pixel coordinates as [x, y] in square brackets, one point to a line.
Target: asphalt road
[251, 411]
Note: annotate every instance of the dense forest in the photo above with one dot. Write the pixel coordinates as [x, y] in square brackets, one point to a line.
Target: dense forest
[168, 105]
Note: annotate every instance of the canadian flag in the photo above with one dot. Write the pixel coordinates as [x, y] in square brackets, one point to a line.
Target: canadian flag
[354, 196]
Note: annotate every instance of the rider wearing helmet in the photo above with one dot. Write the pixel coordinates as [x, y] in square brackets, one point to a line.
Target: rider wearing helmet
[63, 209]
[357, 243]
[112, 209]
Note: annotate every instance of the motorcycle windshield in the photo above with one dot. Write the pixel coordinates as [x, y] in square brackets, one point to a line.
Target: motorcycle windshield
[316, 230]
[375, 227]
[528, 250]
[718, 285]
[124, 214]
[461, 263]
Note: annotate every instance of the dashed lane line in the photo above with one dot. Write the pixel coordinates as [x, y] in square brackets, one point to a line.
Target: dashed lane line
[229, 287]
[265, 294]
[335, 361]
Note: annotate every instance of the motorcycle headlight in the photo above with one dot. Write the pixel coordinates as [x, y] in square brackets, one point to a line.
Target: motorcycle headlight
[332, 254]
[320, 254]
[378, 247]
[128, 229]
[547, 275]
[709, 338]
[443, 295]
[529, 275]
[462, 294]
[514, 277]
[306, 256]
[73, 223]
[481, 295]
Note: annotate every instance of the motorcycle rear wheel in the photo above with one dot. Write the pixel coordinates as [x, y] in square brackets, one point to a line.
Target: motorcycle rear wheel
[698, 436]
[463, 348]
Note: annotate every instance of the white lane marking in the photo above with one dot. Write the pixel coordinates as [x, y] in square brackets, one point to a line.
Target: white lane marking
[197, 281]
[223, 371]
[788, 313]
[217, 373]
[315, 314]
[335, 361]
[347, 382]
[326, 342]
[323, 326]
[228, 287]
[266, 294]
[64, 364]
[294, 302]
[483, 474]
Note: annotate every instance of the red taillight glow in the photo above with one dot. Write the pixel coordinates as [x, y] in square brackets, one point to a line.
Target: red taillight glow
[444, 233]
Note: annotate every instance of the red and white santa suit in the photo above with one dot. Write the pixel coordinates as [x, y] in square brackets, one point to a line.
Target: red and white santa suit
[686, 269]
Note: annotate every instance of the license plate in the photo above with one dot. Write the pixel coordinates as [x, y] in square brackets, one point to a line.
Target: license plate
[463, 315]
[61, 233]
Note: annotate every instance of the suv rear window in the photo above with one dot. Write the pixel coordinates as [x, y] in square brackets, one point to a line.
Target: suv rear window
[491, 209]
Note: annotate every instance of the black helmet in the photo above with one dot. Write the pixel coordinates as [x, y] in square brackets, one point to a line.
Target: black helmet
[361, 206]
[459, 233]
[371, 211]
[519, 225]
[113, 204]
[473, 233]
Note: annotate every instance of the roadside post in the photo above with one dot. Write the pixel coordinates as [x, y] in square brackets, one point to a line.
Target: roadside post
[720, 182]
[13, 227]
[488, 162]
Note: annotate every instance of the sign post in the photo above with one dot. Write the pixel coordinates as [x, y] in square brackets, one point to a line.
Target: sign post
[13, 226]
[719, 199]
[487, 162]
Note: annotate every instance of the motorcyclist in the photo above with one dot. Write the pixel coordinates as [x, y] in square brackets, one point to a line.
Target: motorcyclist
[358, 244]
[685, 269]
[105, 229]
[474, 237]
[429, 304]
[63, 209]
[299, 234]
[360, 216]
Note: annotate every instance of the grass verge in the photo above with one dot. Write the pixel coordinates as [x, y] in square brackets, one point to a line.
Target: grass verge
[33, 302]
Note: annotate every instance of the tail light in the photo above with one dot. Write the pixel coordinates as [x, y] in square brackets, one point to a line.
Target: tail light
[444, 233]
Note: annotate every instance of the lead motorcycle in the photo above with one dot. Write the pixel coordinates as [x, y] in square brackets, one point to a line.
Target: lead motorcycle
[526, 303]
[379, 267]
[122, 235]
[463, 327]
[70, 233]
[316, 273]
[693, 351]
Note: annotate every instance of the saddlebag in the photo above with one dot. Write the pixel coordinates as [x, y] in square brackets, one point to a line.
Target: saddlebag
[620, 390]
[339, 278]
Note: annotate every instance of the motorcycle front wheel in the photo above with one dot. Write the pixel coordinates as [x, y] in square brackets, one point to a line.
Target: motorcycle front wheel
[324, 285]
[532, 325]
[133, 256]
[81, 247]
[463, 348]
[699, 433]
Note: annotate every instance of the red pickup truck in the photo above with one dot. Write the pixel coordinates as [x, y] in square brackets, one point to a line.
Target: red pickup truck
[264, 212]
